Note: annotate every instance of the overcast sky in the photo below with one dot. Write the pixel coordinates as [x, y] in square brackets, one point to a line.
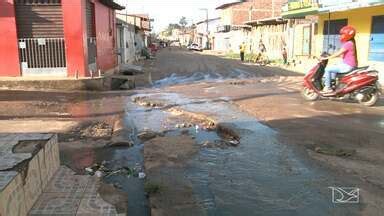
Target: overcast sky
[170, 11]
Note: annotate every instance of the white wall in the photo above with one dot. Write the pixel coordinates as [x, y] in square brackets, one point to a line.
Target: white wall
[129, 40]
[231, 41]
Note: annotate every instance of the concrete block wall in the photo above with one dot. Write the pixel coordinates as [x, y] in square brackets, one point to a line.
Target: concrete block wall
[20, 189]
[254, 10]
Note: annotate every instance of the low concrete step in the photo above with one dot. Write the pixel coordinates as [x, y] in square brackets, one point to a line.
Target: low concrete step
[27, 163]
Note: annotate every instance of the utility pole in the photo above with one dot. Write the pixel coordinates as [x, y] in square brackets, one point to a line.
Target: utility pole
[207, 31]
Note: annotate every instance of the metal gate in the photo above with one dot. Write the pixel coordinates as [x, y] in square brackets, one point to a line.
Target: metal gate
[91, 40]
[41, 37]
[42, 56]
[376, 45]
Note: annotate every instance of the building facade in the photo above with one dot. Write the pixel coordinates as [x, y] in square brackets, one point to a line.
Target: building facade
[60, 38]
[238, 12]
[367, 16]
[142, 25]
[205, 33]
[234, 15]
[126, 42]
[272, 32]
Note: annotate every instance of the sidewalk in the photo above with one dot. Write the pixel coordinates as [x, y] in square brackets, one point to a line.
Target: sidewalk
[52, 83]
[70, 194]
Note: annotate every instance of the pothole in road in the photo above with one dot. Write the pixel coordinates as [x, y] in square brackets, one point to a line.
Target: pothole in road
[221, 179]
[224, 161]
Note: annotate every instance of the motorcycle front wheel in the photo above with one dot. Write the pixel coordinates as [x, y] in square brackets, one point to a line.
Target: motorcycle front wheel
[309, 94]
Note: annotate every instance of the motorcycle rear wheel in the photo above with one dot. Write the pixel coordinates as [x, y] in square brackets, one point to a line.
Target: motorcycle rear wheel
[370, 99]
[309, 94]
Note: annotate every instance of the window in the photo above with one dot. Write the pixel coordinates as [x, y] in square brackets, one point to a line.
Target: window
[376, 46]
[331, 42]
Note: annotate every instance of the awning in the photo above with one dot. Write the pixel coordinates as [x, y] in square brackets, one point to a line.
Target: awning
[112, 4]
[267, 21]
[299, 13]
[349, 6]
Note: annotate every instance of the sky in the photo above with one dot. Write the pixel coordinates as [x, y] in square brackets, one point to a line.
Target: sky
[170, 11]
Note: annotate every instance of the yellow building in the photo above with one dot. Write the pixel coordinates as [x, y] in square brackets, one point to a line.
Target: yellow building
[367, 16]
[369, 22]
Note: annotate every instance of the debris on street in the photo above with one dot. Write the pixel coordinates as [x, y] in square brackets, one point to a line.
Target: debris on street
[97, 130]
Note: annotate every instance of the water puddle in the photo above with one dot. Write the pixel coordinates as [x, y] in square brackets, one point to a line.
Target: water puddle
[259, 177]
[175, 79]
[133, 186]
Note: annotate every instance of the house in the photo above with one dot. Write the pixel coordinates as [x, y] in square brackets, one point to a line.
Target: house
[272, 32]
[57, 38]
[183, 35]
[232, 30]
[367, 16]
[238, 12]
[126, 42]
[302, 28]
[186, 36]
[143, 29]
[205, 32]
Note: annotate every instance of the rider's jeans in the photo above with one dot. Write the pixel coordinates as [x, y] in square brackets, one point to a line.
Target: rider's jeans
[331, 71]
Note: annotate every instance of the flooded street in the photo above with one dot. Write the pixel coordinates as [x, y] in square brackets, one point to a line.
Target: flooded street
[217, 138]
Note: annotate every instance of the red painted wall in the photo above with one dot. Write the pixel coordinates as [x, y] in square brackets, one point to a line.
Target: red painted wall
[75, 35]
[9, 50]
[105, 37]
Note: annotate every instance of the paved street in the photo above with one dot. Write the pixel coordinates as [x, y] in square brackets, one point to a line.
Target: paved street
[220, 138]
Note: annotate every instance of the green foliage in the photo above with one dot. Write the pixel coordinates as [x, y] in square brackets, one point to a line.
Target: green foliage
[170, 27]
[152, 188]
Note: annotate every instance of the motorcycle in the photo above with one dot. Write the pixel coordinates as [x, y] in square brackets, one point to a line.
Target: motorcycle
[360, 84]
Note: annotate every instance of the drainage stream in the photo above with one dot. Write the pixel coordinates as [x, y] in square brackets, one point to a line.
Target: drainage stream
[259, 176]
[207, 158]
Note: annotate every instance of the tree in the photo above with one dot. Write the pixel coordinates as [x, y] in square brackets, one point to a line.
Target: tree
[172, 26]
[183, 22]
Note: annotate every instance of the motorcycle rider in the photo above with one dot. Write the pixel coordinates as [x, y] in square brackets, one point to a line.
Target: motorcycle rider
[349, 54]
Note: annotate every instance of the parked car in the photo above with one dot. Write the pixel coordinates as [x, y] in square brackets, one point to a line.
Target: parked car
[176, 44]
[195, 47]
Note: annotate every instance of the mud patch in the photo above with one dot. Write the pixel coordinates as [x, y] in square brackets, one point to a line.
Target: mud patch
[176, 196]
[114, 196]
[94, 130]
[148, 135]
[168, 151]
[228, 132]
[192, 118]
[97, 130]
[334, 151]
[149, 102]
[238, 82]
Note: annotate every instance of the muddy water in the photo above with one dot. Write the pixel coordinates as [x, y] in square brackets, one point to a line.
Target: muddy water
[262, 176]
[201, 76]
[127, 157]
[259, 177]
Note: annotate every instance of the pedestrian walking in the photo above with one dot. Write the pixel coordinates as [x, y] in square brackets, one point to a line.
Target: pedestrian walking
[285, 55]
[242, 51]
[261, 52]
